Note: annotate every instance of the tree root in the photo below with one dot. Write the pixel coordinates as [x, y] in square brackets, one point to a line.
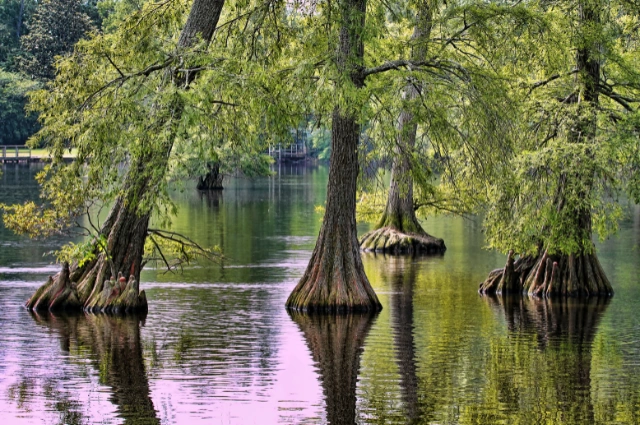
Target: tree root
[62, 293]
[389, 240]
[549, 276]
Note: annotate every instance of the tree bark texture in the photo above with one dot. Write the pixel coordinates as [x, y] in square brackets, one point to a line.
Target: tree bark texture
[549, 276]
[116, 350]
[334, 280]
[93, 286]
[213, 179]
[336, 343]
[399, 231]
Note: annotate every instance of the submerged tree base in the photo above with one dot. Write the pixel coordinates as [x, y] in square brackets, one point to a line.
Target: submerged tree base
[333, 290]
[335, 281]
[212, 180]
[59, 293]
[574, 275]
[389, 240]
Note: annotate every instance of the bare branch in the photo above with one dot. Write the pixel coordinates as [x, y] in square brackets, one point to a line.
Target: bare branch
[554, 77]
[164, 259]
[621, 100]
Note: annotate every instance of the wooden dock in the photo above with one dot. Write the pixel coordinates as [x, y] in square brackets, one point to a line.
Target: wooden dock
[15, 154]
[291, 153]
[20, 154]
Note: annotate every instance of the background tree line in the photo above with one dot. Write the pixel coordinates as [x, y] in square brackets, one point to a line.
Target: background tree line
[32, 34]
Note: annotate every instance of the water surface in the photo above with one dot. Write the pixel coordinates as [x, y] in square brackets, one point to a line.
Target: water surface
[218, 346]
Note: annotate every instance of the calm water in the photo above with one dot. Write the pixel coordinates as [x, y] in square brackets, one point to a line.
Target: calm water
[218, 347]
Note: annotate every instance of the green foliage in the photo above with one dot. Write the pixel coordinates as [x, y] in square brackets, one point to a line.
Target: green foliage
[501, 119]
[321, 142]
[577, 153]
[55, 28]
[113, 12]
[81, 252]
[32, 219]
[114, 102]
[9, 18]
[463, 112]
[15, 125]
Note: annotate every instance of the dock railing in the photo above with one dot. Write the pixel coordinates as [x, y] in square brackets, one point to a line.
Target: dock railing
[11, 153]
[293, 151]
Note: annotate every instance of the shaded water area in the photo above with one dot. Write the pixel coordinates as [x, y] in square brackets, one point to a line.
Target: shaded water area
[218, 346]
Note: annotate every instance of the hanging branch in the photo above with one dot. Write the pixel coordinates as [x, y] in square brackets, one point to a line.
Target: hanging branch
[186, 244]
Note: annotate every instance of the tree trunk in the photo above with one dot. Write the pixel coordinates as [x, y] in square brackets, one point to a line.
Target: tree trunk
[88, 286]
[20, 16]
[336, 343]
[399, 231]
[213, 179]
[335, 280]
[560, 275]
[93, 286]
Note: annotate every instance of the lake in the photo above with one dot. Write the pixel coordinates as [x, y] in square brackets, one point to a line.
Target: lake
[218, 347]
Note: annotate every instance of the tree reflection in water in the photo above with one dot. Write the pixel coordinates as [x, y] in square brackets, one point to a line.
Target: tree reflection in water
[402, 278]
[336, 342]
[550, 382]
[114, 342]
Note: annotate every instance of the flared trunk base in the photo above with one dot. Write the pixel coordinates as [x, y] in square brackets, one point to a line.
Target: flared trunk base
[61, 294]
[92, 286]
[388, 240]
[334, 281]
[212, 180]
[574, 275]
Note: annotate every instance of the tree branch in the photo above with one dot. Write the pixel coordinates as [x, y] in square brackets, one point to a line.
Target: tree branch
[621, 100]
[169, 268]
[554, 77]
